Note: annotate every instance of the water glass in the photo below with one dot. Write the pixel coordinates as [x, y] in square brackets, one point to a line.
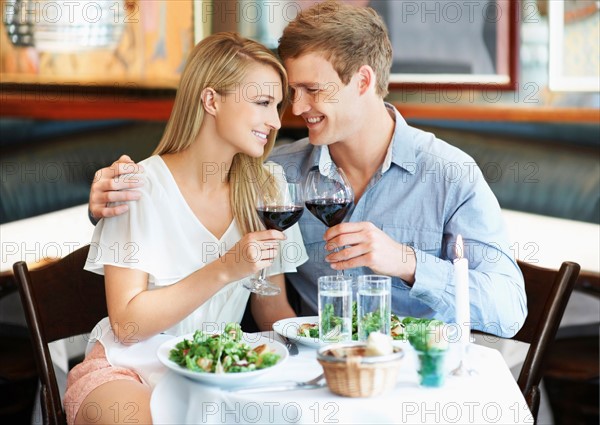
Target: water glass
[335, 308]
[374, 305]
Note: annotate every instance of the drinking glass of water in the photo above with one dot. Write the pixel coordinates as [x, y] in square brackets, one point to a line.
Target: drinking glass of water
[335, 308]
[374, 305]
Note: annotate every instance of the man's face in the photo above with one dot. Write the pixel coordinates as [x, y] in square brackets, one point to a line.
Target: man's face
[327, 105]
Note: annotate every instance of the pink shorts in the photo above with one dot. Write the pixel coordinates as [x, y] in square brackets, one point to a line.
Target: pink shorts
[94, 371]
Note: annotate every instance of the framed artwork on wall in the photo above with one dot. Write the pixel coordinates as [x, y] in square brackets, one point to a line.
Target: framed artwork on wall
[121, 44]
[452, 44]
[574, 28]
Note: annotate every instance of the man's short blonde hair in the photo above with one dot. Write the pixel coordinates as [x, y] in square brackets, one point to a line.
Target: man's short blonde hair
[347, 36]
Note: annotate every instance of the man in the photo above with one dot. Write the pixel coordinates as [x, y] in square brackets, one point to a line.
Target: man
[414, 194]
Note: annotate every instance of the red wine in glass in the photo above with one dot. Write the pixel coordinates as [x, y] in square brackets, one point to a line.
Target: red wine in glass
[329, 211]
[279, 207]
[279, 217]
[328, 196]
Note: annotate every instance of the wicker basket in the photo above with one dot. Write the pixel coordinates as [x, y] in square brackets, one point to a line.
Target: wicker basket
[349, 373]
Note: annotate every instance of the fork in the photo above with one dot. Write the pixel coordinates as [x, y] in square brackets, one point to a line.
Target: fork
[291, 346]
[317, 382]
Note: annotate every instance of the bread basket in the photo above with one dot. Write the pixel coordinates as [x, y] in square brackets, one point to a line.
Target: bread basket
[351, 374]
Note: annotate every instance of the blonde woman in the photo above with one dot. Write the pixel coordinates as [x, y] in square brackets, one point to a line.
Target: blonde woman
[177, 260]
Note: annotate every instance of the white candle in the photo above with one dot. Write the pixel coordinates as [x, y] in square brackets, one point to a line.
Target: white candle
[461, 287]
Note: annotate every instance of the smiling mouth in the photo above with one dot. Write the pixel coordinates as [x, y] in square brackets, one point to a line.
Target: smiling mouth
[314, 120]
[260, 135]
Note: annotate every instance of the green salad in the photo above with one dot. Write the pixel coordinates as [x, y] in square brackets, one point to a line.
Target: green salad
[222, 353]
[401, 329]
[331, 323]
[427, 336]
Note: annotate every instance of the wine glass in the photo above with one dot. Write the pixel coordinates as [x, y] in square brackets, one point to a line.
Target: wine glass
[328, 197]
[279, 206]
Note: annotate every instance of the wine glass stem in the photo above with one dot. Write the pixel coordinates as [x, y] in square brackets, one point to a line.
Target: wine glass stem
[279, 255]
[340, 273]
[262, 276]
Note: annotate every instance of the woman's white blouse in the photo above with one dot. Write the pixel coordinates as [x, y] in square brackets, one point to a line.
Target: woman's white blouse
[160, 235]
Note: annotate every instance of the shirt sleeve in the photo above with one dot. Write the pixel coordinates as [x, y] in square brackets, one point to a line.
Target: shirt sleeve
[496, 288]
[134, 240]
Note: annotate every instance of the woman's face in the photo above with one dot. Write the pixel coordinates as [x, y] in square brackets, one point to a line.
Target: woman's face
[247, 114]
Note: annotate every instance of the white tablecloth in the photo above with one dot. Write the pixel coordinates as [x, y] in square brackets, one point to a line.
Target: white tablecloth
[548, 241]
[53, 235]
[492, 396]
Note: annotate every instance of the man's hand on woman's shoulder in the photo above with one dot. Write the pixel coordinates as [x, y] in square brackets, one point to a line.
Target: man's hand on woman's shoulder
[108, 186]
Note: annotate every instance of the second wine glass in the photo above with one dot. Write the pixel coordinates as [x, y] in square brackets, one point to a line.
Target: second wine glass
[279, 206]
[328, 197]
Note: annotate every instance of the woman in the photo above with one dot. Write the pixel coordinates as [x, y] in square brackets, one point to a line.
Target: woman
[175, 262]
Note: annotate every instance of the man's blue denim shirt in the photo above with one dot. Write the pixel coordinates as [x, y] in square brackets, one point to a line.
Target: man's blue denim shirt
[425, 194]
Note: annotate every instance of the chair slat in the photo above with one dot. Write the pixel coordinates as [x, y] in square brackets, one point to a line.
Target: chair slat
[60, 300]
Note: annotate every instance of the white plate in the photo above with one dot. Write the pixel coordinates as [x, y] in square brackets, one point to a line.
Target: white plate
[223, 379]
[289, 329]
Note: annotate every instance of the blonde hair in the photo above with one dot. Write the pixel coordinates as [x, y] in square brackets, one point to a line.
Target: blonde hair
[347, 36]
[221, 62]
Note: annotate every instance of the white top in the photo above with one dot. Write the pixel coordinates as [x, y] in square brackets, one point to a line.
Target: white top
[161, 236]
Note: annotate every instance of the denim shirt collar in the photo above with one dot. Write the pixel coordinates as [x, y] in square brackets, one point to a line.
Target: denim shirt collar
[401, 150]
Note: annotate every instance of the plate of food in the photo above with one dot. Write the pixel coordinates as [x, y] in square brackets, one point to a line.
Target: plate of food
[303, 330]
[226, 359]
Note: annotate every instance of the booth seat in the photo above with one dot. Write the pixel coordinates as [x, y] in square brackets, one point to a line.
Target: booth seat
[49, 166]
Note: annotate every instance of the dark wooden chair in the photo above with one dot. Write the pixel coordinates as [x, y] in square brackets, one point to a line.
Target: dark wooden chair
[548, 292]
[18, 374]
[60, 300]
[572, 370]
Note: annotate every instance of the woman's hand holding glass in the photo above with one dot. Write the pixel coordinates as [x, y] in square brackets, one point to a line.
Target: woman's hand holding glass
[253, 253]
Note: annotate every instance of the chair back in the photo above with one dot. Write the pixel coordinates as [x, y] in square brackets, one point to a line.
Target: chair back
[548, 292]
[60, 300]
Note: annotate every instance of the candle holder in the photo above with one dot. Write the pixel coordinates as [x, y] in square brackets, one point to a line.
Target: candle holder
[462, 306]
[463, 368]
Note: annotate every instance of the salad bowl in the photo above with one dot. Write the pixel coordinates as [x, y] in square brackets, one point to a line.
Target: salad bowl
[224, 379]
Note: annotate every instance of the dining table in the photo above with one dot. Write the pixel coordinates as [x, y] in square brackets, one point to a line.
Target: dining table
[58, 233]
[488, 394]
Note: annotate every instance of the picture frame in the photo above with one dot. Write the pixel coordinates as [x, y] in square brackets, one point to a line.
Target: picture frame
[460, 45]
[574, 46]
[467, 44]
